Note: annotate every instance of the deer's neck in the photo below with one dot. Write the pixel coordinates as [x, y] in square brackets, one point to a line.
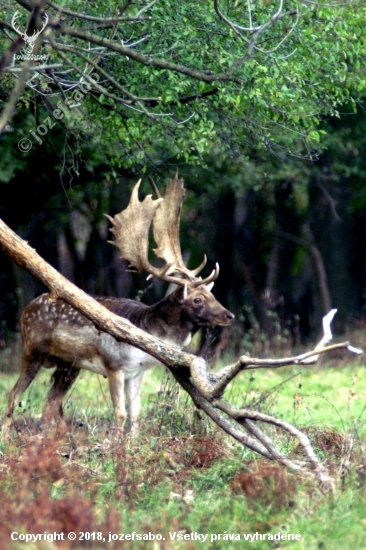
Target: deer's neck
[167, 321]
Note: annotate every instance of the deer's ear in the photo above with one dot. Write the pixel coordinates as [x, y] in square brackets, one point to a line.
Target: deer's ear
[181, 294]
[209, 287]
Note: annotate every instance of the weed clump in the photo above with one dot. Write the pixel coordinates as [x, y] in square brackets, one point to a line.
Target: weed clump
[265, 484]
[31, 487]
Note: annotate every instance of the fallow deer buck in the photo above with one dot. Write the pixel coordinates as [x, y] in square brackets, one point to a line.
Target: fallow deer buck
[57, 335]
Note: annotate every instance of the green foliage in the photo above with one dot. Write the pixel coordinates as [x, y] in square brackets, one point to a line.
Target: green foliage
[195, 84]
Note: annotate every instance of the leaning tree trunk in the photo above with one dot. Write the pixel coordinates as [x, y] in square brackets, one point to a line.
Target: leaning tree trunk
[206, 389]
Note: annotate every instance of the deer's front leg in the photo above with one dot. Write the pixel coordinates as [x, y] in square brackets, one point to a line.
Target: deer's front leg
[116, 380]
[133, 399]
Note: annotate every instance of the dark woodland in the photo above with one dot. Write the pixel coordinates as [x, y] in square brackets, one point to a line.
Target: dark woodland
[284, 216]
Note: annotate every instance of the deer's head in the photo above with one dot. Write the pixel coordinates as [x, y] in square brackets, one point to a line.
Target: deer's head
[131, 231]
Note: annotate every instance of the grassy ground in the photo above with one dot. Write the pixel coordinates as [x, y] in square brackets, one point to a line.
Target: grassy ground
[181, 475]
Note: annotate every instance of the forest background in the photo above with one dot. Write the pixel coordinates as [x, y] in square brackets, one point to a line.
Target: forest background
[258, 104]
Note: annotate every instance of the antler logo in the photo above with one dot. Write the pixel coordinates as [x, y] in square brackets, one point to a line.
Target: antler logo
[29, 40]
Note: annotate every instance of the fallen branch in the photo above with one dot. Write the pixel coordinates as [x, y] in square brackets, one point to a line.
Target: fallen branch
[191, 372]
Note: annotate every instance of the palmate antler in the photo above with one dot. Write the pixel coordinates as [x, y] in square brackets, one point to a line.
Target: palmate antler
[131, 232]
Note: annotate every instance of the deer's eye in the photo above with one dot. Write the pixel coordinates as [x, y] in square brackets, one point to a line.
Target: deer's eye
[197, 301]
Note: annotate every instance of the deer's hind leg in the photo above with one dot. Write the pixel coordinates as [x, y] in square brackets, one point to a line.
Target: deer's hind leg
[63, 378]
[31, 364]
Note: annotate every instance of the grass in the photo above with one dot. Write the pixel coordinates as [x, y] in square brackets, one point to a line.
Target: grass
[181, 475]
[327, 395]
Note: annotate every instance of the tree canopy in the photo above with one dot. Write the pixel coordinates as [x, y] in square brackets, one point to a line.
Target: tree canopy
[149, 81]
[255, 91]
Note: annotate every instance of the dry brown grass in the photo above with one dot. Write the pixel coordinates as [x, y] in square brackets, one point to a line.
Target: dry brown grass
[28, 476]
[50, 479]
[265, 483]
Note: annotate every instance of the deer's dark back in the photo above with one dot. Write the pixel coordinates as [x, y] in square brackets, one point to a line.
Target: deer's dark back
[56, 335]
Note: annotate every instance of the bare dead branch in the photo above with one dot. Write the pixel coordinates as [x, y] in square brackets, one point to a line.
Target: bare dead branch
[105, 20]
[107, 76]
[229, 427]
[332, 202]
[205, 76]
[121, 329]
[319, 268]
[129, 103]
[231, 24]
[35, 69]
[256, 31]
[218, 381]
[85, 75]
[190, 371]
